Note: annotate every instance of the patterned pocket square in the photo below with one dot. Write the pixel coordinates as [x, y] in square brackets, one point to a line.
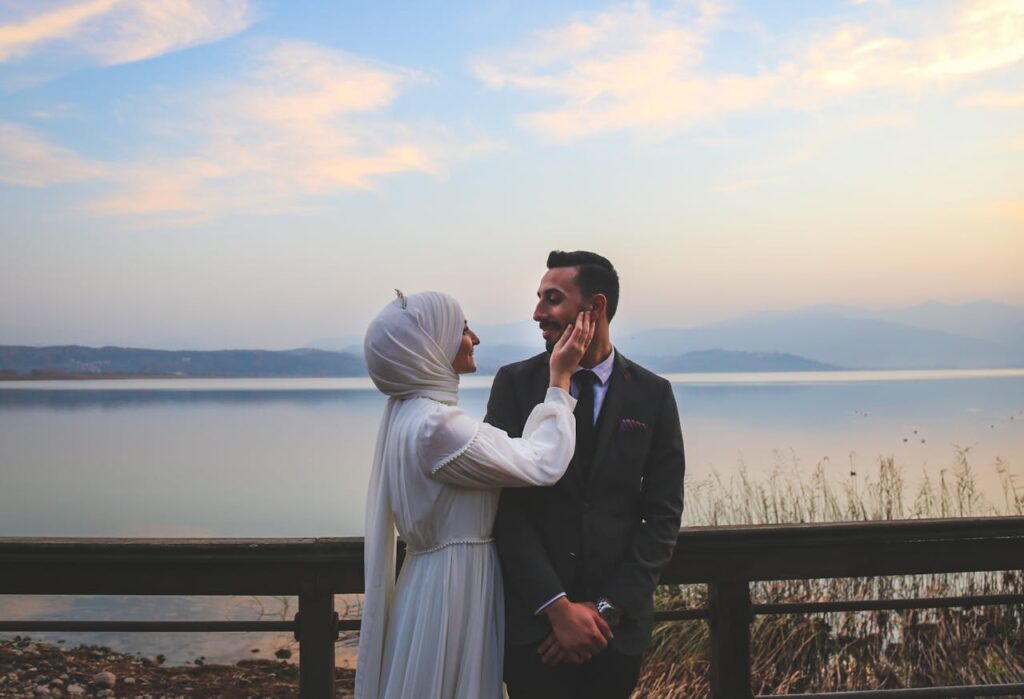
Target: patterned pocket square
[630, 425]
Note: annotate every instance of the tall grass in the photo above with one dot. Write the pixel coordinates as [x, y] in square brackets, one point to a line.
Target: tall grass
[849, 650]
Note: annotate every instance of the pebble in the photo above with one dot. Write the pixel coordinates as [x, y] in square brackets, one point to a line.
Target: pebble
[128, 680]
[105, 693]
[105, 679]
[75, 690]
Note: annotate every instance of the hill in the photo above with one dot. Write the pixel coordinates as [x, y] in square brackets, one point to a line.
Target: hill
[74, 360]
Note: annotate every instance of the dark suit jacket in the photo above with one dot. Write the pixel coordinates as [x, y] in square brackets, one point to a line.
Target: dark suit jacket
[609, 535]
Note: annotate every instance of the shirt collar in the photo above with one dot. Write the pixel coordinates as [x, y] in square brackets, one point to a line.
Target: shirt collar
[603, 371]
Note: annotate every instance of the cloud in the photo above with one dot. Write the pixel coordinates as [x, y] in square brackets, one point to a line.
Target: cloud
[794, 146]
[1009, 209]
[994, 100]
[20, 38]
[638, 68]
[29, 160]
[742, 185]
[629, 67]
[57, 110]
[112, 32]
[982, 35]
[302, 120]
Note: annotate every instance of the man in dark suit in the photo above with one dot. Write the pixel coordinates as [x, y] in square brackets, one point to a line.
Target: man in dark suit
[581, 558]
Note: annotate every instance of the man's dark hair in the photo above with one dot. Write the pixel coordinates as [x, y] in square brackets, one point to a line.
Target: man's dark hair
[594, 274]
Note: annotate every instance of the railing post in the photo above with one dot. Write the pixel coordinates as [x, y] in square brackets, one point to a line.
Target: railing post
[317, 631]
[731, 614]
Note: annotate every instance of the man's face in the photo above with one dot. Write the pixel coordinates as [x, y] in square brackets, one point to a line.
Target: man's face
[558, 302]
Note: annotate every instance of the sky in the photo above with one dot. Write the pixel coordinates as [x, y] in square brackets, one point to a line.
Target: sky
[255, 174]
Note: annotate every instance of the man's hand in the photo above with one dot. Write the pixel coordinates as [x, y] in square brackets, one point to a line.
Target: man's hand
[551, 651]
[569, 350]
[578, 632]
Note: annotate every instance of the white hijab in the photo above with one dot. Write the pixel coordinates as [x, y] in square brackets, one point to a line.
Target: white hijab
[409, 350]
[411, 344]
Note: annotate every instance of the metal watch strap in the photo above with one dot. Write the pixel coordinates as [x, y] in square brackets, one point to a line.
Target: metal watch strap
[608, 611]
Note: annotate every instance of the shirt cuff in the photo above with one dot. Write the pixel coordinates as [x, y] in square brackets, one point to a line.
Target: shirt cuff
[547, 604]
[559, 395]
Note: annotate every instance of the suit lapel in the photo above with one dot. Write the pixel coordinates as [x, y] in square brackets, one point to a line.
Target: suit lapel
[611, 411]
[573, 478]
[538, 386]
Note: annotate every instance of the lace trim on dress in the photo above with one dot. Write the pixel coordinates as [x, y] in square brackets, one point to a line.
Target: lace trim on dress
[447, 460]
[453, 542]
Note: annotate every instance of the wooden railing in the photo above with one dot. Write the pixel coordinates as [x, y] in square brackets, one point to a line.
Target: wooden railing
[726, 559]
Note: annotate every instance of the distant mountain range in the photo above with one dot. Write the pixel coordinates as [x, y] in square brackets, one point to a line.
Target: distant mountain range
[932, 335]
[74, 360]
[78, 362]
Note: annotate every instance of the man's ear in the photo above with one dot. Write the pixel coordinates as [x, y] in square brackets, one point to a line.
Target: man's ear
[598, 304]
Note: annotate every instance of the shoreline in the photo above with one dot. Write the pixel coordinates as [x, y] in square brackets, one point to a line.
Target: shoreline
[696, 377]
[37, 669]
[98, 377]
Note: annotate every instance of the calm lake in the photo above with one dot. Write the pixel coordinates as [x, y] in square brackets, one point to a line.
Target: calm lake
[290, 457]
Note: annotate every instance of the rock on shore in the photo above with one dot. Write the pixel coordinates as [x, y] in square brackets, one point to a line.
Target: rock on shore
[34, 670]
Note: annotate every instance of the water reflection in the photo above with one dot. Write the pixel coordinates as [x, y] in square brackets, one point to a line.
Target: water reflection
[290, 458]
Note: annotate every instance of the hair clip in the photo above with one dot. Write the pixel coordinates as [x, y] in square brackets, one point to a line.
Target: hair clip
[401, 297]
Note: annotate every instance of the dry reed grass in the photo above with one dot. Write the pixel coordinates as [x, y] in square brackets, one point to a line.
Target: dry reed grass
[849, 650]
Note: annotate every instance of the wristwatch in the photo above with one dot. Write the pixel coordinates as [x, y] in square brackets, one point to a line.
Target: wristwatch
[608, 611]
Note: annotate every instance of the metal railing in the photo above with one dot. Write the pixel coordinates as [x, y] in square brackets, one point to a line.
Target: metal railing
[726, 559]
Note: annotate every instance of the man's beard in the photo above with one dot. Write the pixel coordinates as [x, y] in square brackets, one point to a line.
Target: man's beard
[549, 345]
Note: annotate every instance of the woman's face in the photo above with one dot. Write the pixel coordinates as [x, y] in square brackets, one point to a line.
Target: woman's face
[464, 362]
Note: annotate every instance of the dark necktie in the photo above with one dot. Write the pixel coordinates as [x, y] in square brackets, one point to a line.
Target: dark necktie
[584, 412]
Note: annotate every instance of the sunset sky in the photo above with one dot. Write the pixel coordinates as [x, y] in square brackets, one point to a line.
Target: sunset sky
[236, 173]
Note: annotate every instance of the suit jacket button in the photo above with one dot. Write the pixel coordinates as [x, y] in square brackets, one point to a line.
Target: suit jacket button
[572, 554]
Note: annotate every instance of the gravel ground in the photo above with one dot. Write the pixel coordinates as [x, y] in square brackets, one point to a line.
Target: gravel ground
[33, 669]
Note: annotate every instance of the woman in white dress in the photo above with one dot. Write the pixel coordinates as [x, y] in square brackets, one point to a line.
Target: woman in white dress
[438, 632]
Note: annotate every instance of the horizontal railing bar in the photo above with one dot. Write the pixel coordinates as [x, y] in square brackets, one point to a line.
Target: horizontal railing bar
[67, 626]
[977, 690]
[887, 605]
[343, 624]
[662, 616]
[37, 565]
[851, 606]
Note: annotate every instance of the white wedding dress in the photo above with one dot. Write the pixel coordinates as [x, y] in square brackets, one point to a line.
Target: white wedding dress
[439, 632]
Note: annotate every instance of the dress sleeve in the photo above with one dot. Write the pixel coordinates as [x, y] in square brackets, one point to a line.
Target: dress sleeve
[492, 459]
